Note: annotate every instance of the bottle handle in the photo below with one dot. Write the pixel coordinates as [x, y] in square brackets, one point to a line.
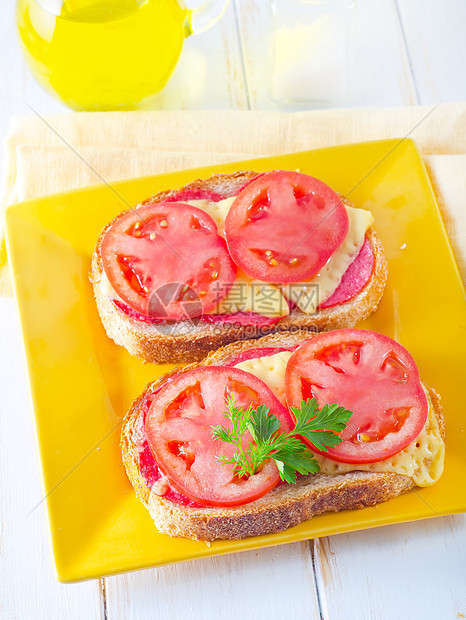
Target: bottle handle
[206, 15]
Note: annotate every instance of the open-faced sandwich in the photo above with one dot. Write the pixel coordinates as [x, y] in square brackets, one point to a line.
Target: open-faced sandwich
[234, 257]
[267, 433]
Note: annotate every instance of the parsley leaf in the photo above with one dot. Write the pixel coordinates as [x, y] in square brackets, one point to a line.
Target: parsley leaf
[319, 426]
[262, 424]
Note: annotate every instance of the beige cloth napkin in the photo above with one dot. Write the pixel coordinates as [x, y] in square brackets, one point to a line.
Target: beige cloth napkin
[66, 151]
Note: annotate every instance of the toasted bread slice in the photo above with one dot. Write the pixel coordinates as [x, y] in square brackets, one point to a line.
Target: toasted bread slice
[286, 505]
[190, 341]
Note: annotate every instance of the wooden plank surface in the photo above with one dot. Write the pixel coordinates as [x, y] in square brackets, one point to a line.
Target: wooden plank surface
[415, 570]
[28, 587]
[267, 584]
[435, 34]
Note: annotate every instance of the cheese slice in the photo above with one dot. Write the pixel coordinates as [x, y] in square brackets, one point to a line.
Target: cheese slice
[422, 460]
[271, 369]
[309, 294]
[217, 210]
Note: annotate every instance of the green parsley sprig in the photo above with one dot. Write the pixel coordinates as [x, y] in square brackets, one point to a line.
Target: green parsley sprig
[320, 426]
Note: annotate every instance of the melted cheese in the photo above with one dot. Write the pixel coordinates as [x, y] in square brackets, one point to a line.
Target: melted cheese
[422, 460]
[309, 294]
[217, 210]
[105, 287]
[271, 369]
[161, 486]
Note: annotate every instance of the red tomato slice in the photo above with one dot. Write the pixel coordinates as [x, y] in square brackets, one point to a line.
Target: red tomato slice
[284, 226]
[166, 261]
[179, 431]
[371, 375]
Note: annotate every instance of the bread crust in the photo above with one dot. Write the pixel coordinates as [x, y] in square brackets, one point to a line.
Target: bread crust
[191, 341]
[286, 505]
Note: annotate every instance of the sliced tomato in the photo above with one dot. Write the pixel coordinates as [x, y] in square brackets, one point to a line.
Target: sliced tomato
[284, 226]
[371, 375]
[179, 431]
[167, 261]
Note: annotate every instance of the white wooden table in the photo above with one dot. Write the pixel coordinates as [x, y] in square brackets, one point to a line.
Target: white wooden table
[405, 52]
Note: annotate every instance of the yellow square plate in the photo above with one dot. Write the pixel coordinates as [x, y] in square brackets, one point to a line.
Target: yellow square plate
[82, 384]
